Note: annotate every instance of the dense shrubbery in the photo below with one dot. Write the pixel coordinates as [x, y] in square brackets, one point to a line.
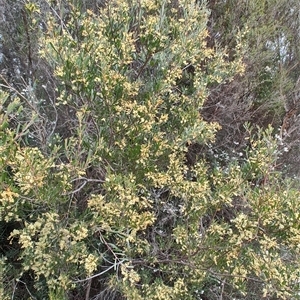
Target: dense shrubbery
[100, 198]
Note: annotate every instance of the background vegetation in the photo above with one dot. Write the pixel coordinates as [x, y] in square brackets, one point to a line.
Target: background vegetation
[149, 149]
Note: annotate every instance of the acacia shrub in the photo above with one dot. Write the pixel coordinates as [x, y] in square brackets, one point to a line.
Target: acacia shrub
[114, 207]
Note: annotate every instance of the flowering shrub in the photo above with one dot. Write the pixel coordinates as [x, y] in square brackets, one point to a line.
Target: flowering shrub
[113, 204]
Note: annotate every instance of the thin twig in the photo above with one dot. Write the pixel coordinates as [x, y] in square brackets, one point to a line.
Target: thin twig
[99, 274]
[144, 65]
[222, 290]
[87, 295]
[27, 289]
[85, 181]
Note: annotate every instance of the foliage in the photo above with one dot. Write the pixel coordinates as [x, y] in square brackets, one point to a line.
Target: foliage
[268, 91]
[112, 203]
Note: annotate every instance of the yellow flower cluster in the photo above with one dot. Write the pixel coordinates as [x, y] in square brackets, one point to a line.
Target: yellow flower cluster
[30, 169]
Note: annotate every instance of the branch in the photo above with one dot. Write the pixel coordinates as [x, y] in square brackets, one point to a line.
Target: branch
[101, 273]
[85, 181]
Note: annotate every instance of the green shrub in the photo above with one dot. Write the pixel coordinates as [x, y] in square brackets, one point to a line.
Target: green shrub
[115, 205]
